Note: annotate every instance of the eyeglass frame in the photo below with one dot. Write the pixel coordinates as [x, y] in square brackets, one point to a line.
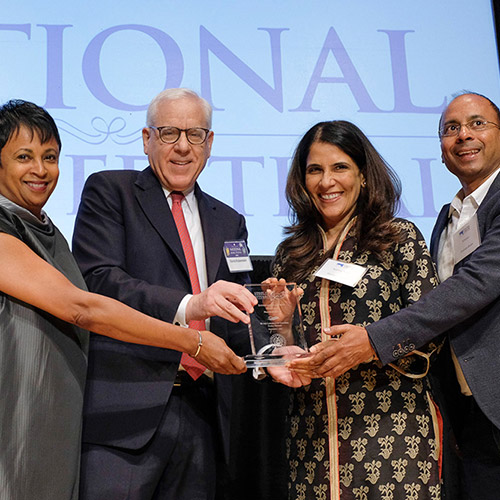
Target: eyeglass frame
[185, 130]
[467, 125]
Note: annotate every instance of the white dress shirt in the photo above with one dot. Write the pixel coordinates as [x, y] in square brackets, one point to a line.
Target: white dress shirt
[193, 222]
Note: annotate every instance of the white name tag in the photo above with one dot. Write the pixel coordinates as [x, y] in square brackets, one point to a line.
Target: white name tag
[341, 272]
[466, 239]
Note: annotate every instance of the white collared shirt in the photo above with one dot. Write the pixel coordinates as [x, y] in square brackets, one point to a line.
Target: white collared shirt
[461, 211]
[193, 222]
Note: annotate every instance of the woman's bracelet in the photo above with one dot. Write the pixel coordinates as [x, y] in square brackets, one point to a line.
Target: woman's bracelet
[200, 345]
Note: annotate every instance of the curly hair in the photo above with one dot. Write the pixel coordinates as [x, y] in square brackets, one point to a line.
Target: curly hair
[375, 208]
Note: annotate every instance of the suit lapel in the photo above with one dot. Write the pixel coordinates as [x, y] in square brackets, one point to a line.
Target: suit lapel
[153, 202]
[438, 229]
[482, 211]
[213, 234]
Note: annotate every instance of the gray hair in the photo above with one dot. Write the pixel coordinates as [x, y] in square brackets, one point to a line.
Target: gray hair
[173, 94]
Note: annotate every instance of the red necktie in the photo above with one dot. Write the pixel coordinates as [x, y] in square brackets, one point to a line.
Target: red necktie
[190, 364]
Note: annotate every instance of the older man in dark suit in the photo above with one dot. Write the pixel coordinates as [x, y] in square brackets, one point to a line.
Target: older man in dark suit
[466, 305]
[156, 425]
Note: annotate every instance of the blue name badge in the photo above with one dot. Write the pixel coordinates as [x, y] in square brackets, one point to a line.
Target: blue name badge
[237, 258]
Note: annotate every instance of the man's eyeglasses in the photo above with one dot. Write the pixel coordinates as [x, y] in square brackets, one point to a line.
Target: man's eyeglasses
[453, 129]
[170, 135]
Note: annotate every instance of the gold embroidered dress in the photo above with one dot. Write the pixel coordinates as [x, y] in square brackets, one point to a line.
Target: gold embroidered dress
[371, 433]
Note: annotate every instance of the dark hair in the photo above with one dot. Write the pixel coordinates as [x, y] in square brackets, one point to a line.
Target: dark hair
[17, 113]
[375, 207]
[467, 92]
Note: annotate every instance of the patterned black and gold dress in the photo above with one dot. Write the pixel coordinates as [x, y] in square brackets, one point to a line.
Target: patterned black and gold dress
[374, 432]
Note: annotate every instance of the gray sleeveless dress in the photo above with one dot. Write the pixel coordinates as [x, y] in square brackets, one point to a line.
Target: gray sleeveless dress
[43, 363]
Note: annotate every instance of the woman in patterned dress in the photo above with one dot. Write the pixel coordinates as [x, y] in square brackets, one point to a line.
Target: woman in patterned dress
[372, 433]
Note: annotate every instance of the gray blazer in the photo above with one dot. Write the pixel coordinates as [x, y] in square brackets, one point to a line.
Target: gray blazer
[466, 307]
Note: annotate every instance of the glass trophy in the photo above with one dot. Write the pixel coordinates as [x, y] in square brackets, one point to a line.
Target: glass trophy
[276, 330]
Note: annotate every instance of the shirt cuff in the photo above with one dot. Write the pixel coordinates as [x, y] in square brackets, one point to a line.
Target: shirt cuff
[180, 315]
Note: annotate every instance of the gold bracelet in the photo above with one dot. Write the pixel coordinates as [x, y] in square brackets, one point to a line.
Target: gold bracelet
[200, 344]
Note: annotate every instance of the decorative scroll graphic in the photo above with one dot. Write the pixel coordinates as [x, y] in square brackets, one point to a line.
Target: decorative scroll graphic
[102, 131]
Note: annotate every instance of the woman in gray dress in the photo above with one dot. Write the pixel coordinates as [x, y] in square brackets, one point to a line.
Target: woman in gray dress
[45, 313]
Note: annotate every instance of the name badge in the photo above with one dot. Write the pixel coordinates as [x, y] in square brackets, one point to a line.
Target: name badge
[237, 258]
[466, 239]
[341, 272]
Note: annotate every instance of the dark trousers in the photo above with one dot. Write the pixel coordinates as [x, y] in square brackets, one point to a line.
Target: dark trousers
[479, 443]
[179, 463]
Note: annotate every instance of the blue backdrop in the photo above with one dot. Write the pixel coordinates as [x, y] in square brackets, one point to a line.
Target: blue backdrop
[270, 69]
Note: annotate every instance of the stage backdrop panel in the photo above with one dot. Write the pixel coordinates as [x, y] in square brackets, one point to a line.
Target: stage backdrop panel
[270, 69]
